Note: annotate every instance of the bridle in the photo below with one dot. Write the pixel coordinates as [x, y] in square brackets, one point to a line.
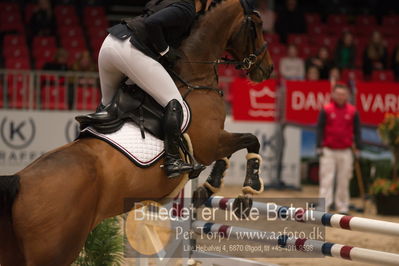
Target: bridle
[246, 63]
[249, 28]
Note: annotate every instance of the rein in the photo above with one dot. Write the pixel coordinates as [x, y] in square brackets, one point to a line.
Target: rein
[191, 88]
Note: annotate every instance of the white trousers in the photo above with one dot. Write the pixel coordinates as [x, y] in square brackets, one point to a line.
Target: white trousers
[337, 163]
[119, 58]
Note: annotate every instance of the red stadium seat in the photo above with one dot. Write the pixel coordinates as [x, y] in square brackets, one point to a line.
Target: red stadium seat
[74, 54]
[337, 20]
[96, 32]
[70, 32]
[326, 40]
[271, 38]
[53, 97]
[298, 39]
[18, 90]
[317, 29]
[11, 22]
[97, 22]
[30, 8]
[76, 43]
[40, 41]
[388, 31]
[95, 44]
[383, 76]
[337, 30]
[352, 74]
[87, 98]
[312, 19]
[17, 63]
[40, 62]
[43, 56]
[364, 31]
[94, 11]
[16, 52]
[67, 21]
[390, 21]
[44, 47]
[64, 11]
[8, 8]
[308, 51]
[278, 50]
[366, 20]
[14, 40]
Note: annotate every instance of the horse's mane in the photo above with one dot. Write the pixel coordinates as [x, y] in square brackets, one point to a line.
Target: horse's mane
[210, 16]
[214, 3]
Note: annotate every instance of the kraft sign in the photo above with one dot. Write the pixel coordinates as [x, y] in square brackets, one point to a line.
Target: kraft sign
[26, 135]
[17, 133]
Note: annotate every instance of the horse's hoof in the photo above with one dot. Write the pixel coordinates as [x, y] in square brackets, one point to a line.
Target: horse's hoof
[242, 206]
[200, 196]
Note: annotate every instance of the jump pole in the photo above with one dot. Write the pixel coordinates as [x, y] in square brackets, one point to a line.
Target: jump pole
[300, 244]
[313, 217]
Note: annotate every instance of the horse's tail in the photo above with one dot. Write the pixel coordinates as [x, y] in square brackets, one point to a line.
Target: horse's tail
[10, 251]
[9, 188]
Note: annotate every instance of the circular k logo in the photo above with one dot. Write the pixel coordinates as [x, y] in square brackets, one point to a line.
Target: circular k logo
[17, 134]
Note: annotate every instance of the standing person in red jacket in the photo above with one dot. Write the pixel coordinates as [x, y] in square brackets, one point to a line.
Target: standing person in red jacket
[338, 131]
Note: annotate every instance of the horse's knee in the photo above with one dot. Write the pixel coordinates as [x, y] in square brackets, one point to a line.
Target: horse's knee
[254, 144]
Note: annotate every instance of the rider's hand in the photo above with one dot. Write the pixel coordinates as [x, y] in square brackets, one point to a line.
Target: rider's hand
[171, 57]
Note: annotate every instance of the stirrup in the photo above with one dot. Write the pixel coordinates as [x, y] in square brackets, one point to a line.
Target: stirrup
[177, 167]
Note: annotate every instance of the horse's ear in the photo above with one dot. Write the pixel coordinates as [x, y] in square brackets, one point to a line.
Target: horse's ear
[249, 5]
[253, 4]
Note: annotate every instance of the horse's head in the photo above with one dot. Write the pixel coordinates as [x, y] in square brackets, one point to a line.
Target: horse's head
[248, 45]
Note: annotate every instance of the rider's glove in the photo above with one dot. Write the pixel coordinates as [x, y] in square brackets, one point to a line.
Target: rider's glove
[170, 57]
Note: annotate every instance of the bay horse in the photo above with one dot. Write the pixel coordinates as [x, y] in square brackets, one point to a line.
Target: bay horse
[48, 209]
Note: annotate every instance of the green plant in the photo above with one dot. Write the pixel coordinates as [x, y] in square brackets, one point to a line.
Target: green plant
[104, 245]
[389, 133]
[384, 186]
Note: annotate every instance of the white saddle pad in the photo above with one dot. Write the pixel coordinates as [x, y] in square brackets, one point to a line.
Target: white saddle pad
[143, 152]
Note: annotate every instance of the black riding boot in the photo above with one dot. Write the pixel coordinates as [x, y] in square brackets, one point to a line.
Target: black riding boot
[174, 165]
[103, 114]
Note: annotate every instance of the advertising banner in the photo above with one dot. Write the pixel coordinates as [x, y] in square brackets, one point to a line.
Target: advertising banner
[254, 102]
[374, 99]
[304, 101]
[26, 135]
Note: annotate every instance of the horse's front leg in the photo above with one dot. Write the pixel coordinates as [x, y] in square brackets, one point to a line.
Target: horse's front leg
[229, 143]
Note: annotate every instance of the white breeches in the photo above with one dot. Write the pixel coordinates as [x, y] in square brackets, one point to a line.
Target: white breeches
[337, 163]
[119, 58]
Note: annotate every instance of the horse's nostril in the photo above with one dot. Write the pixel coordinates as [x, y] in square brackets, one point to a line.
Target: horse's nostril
[271, 68]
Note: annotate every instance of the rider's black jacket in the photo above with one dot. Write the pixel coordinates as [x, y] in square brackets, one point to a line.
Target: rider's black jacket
[168, 24]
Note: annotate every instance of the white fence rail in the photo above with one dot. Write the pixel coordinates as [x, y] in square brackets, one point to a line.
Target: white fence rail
[49, 90]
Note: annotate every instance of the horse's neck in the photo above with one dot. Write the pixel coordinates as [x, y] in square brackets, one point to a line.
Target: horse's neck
[209, 40]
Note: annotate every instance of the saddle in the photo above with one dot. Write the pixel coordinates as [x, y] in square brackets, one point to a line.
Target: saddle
[130, 103]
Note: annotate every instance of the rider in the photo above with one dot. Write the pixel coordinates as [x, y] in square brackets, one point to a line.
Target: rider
[136, 48]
